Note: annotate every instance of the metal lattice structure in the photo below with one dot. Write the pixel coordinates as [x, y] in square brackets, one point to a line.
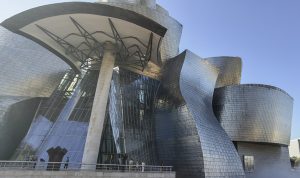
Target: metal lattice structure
[91, 49]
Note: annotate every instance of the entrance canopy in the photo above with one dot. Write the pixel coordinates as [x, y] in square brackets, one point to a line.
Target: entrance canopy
[75, 32]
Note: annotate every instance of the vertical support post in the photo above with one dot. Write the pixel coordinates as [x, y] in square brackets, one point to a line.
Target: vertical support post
[92, 144]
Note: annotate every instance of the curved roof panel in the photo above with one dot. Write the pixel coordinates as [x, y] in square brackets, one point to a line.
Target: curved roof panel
[65, 28]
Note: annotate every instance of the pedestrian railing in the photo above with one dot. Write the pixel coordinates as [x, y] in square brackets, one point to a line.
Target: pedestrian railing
[69, 166]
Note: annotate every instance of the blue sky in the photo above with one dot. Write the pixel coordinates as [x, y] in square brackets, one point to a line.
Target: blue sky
[264, 33]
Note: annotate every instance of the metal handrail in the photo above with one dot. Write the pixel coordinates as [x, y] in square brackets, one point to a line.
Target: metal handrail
[70, 166]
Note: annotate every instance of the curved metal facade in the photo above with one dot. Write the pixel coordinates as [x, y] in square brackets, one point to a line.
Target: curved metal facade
[199, 142]
[197, 81]
[177, 138]
[14, 122]
[182, 110]
[230, 69]
[254, 113]
[27, 69]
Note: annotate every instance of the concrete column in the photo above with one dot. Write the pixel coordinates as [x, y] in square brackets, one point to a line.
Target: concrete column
[92, 144]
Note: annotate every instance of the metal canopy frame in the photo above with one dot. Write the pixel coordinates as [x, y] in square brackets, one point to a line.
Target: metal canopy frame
[90, 49]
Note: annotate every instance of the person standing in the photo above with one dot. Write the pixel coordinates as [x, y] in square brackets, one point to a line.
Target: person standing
[137, 165]
[161, 166]
[42, 164]
[34, 159]
[143, 166]
[66, 163]
[130, 164]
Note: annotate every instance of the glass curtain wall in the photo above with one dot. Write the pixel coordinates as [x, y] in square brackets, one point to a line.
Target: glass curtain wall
[130, 112]
[62, 120]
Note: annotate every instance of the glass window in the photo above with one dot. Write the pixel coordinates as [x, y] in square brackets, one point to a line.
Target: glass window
[248, 163]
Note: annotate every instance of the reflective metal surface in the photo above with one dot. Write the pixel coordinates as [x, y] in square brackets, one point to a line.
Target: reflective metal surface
[197, 82]
[254, 113]
[270, 160]
[130, 115]
[230, 69]
[14, 122]
[178, 110]
[176, 133]
[61, 120]
[27, 69]
[189, 136]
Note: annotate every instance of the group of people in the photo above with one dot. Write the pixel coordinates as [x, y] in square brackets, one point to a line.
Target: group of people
[122, 160]
[137, 166]
[31, 160]
[130, 165]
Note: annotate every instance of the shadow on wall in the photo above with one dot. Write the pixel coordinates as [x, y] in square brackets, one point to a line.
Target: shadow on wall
[15, 124]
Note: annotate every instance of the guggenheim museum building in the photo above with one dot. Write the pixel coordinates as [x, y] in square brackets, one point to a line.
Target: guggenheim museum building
[93, 82]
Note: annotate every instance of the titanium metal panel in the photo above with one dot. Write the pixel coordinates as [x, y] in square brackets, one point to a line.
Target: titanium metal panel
[192, 138]
[177, 138]
[197, 81]
[230, 69]
[27, 69]
[270, 160]
[16, 114]
[254, 113]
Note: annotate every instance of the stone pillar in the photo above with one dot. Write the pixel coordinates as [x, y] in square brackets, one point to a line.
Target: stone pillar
[92, 144]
